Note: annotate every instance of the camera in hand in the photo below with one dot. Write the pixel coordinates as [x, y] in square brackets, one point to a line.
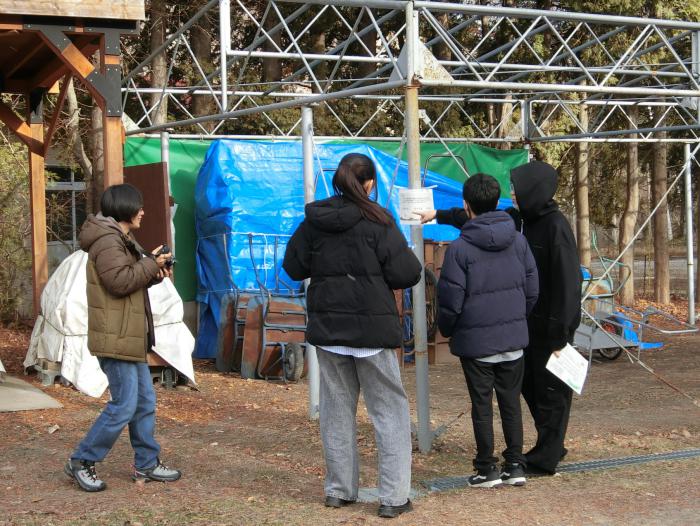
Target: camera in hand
[165, 249]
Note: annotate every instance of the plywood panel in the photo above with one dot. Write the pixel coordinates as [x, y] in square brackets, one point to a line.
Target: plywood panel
[152, 181]
[115, 9]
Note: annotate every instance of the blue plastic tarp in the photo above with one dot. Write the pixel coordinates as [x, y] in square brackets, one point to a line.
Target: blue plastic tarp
[249, 199]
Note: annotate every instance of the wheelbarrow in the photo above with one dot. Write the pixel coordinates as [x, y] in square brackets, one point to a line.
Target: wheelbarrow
[274, 340]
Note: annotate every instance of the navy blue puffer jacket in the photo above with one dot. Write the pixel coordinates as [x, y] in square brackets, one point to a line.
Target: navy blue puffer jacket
[488, 285]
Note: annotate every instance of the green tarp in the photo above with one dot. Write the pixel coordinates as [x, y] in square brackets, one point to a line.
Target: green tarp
[187, 156]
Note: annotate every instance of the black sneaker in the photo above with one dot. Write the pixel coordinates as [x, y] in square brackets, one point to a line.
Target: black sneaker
[389, 512]
[337, 502]
[513, 475]
[159, 473]
[489, 478]
[83, 472]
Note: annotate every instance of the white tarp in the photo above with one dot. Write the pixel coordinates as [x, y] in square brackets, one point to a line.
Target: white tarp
[60, 332]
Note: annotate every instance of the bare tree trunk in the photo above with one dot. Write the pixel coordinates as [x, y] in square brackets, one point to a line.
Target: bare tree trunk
[662, 285]
[546, 5]
[73, 129]
[491, 117]
[583, 225]
[160, 68]
[505, 121]
[442, 50]
[272, 69]
[697, 241]
[201, 47]
[370, 40]
[98, 158]
[318, 45]
[629, 217]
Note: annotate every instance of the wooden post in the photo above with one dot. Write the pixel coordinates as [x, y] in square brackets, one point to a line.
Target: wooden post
[113, 150]
[113, 135]
[37, 200]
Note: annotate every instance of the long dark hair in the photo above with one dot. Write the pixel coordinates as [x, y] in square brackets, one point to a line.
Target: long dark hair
[354, 170]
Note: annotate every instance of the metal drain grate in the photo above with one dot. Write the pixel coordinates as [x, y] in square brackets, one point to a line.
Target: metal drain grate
[448, 483]
[590, 465]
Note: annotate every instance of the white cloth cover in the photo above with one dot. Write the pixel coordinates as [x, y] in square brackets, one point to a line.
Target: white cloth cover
[60, 331]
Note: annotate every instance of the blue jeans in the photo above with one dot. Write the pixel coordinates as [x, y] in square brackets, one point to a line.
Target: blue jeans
[133, 403]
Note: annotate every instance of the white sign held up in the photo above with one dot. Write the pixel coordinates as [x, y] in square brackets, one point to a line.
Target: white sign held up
[412, 202]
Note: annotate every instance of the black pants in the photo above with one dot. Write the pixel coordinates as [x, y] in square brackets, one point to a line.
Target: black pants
[506, 377]
[549, 400]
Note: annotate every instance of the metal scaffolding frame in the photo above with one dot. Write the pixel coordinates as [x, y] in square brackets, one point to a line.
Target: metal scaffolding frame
[541, 75]
[384, 58]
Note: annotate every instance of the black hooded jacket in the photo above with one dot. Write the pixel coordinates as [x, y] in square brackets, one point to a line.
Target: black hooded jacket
[354, 264]
[557, 312]
[457, 217]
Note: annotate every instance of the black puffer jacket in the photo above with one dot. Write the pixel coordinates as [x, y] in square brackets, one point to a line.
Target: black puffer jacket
[457, 217]
[557, 313]
[354, 264]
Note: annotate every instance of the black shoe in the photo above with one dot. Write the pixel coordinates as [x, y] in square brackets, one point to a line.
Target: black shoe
[389, 512]
[83, 472]
[513, 475]
[337, 502]
[534, 471]
[485, 478]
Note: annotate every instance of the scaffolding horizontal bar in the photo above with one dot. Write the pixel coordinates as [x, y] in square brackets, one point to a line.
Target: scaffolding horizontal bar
[455, 140]
[610, 133]
[509, 12]
[570, 88]
[275, 106]
[307, 56]
[428, 98]
[377, 4]
[503, 68]
[516, 12]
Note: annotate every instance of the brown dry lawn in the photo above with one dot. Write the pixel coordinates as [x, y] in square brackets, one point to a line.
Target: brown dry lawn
[250, 455]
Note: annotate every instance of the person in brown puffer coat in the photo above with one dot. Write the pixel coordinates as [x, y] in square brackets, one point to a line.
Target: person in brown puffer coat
[120, 334]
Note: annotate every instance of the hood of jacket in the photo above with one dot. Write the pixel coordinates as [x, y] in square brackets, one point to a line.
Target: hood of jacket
[535, 184]
[493, 231]
[334, 214]
[96, 227]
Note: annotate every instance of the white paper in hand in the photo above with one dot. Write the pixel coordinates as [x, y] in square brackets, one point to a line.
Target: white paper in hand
[570, 367]
[412, 202]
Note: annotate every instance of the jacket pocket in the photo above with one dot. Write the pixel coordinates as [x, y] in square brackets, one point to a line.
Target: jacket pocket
[126, 312]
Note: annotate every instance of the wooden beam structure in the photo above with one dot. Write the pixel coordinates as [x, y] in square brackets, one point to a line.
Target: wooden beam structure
[115, 10]
[37, 200]
[56, 113]
[40, 42]
[57, 67]
[21, 129]
[113, 133]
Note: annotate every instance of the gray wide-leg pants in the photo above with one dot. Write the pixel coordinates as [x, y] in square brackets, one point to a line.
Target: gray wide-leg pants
[387, 405]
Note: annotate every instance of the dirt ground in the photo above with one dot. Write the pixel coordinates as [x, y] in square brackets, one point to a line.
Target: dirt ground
[250, 456]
